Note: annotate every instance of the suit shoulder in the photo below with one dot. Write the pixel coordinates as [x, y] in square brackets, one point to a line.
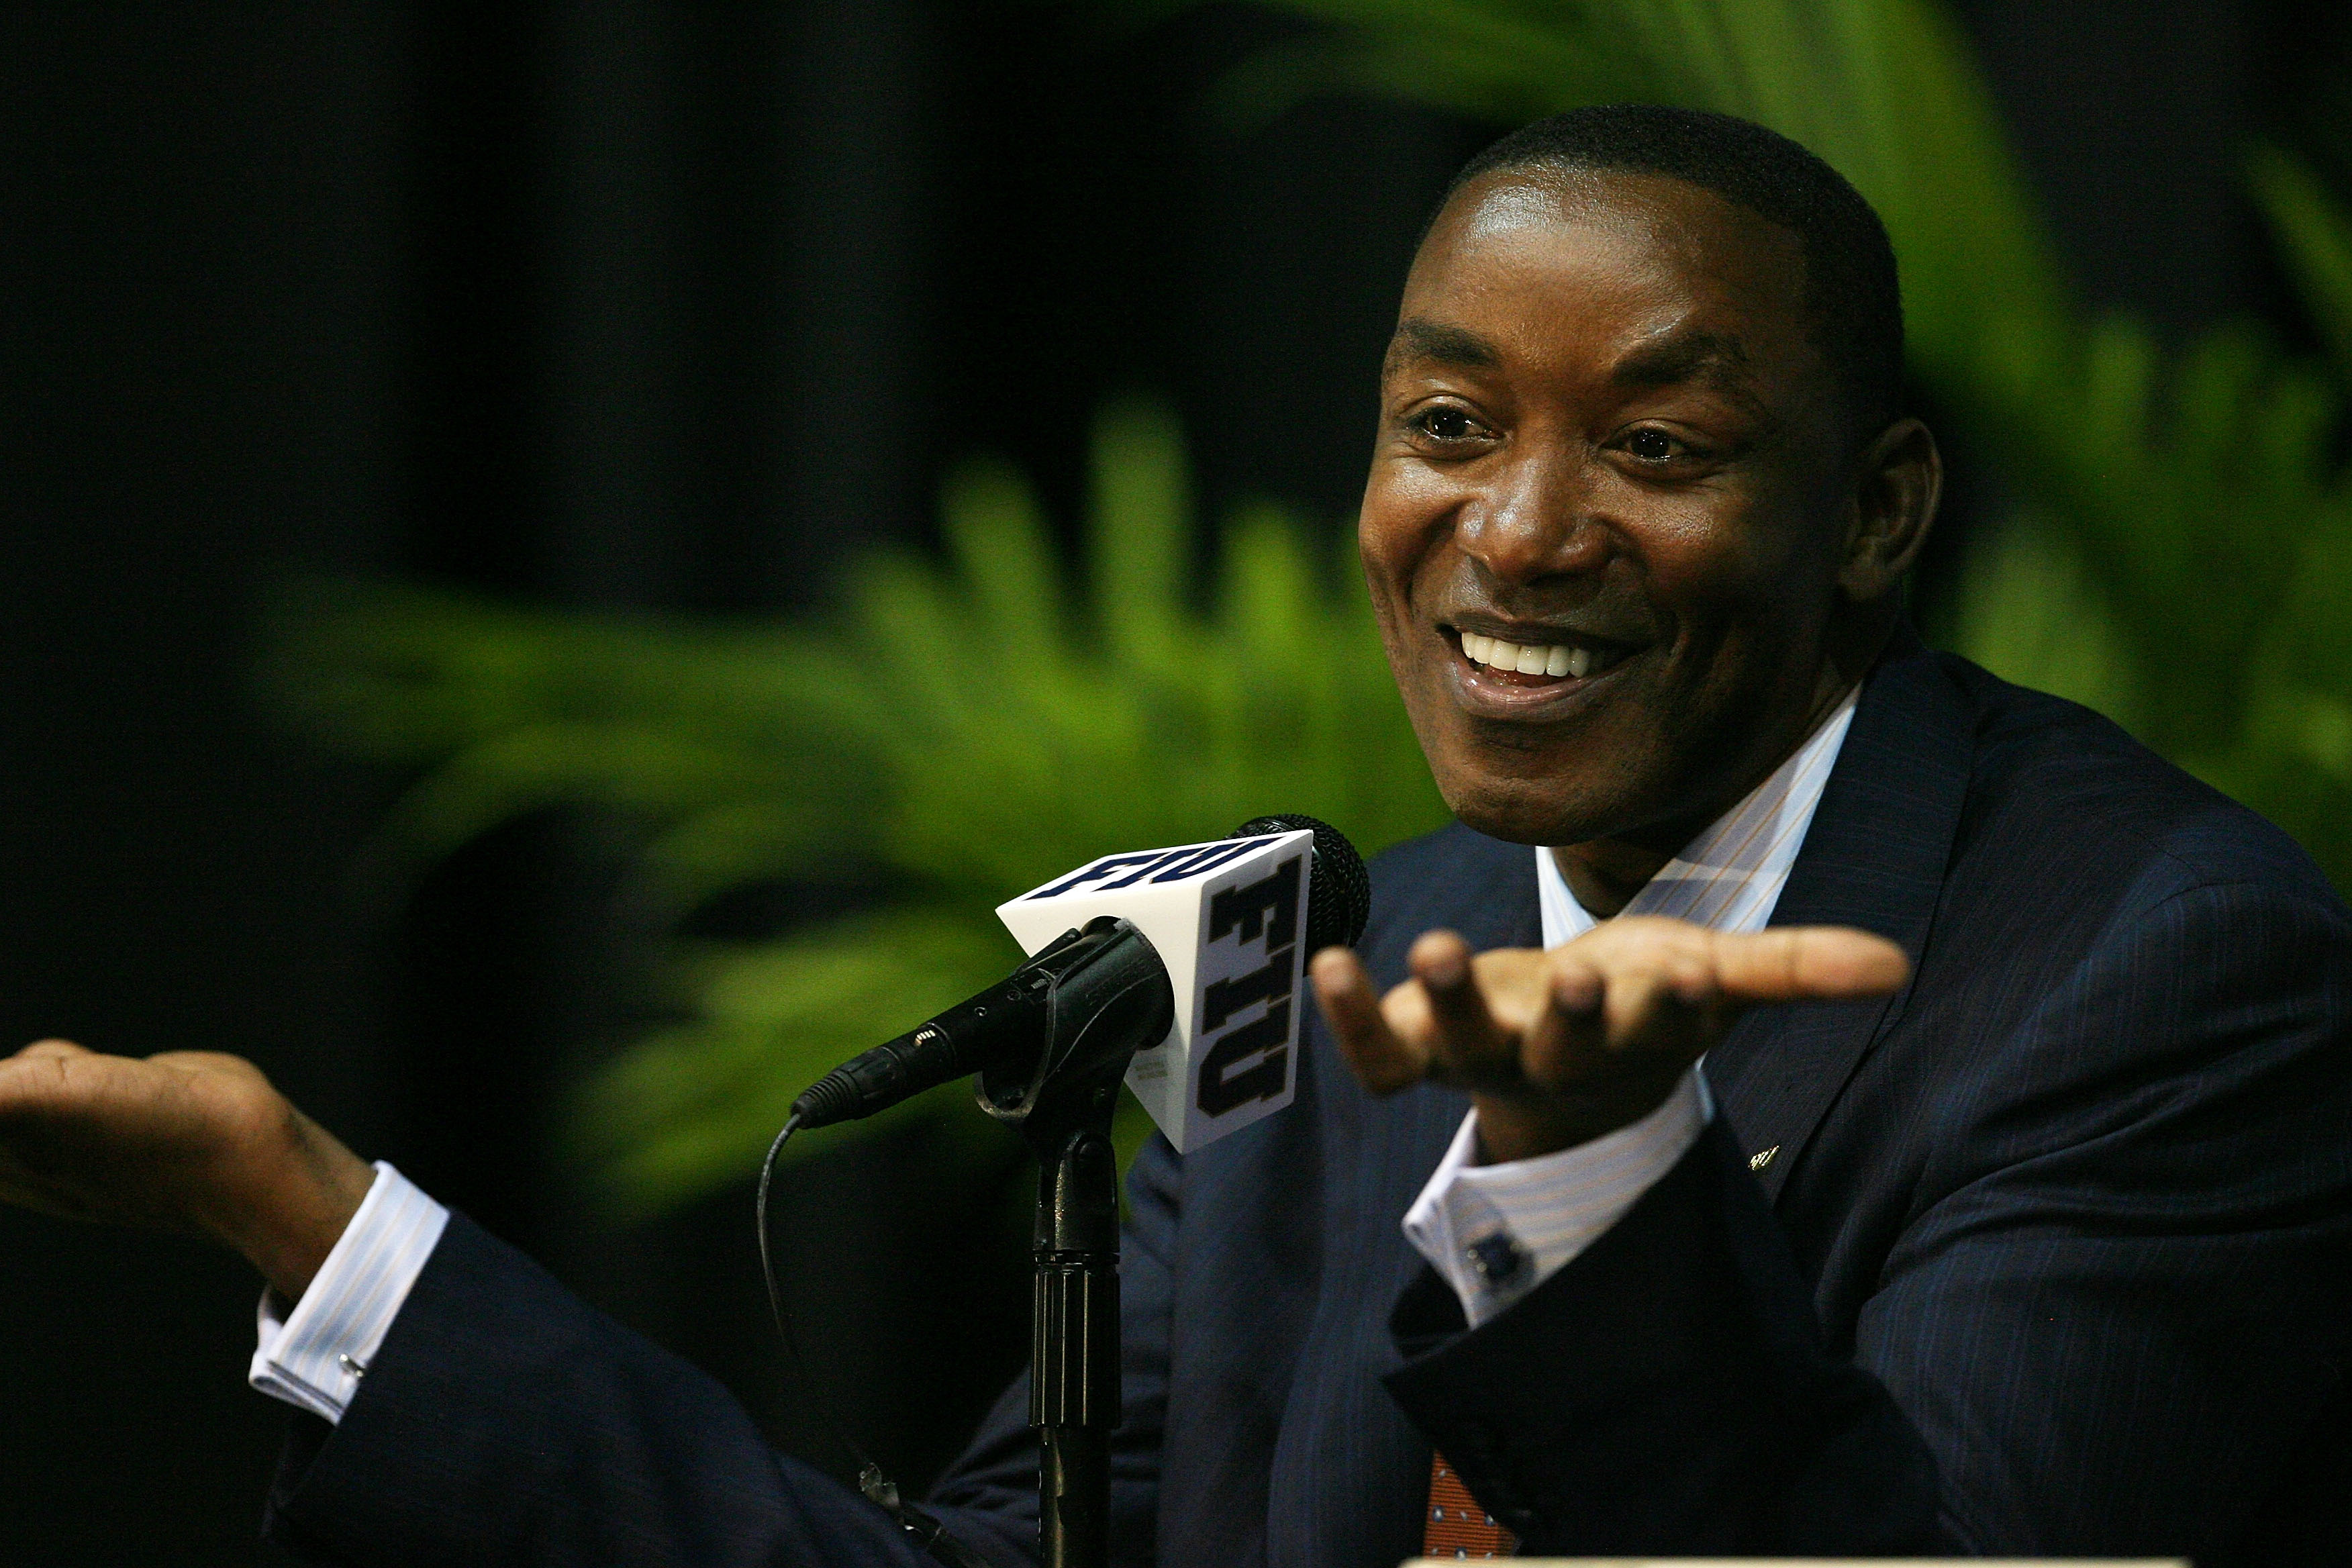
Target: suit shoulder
[1456, 877]
[2050, 776]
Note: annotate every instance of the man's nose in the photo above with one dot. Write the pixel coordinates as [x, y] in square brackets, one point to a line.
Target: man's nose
[1538, 518]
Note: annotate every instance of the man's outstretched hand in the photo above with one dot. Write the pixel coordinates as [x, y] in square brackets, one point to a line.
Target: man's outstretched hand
[1560, 1048]
[188, 1141]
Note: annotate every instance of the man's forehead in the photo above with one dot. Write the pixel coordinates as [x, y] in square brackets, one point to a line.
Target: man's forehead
[1592, 227]
[1662, 281]
[1521, 201]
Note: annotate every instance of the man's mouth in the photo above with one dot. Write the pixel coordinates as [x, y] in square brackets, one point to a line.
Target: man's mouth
[1540, 664]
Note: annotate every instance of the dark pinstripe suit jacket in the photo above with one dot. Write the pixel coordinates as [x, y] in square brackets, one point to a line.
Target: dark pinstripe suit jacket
[2045, 1254]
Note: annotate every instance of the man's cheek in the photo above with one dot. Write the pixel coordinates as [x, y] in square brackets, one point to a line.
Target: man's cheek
[1409, 663]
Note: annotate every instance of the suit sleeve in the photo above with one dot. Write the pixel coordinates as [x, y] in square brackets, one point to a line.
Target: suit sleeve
[2124, 1311]
[2114, 1313]
[504, 1421]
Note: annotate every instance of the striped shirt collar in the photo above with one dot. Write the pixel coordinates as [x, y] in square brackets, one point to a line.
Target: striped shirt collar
[1730, 876]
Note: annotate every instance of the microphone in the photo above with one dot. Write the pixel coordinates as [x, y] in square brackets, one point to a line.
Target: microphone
[1190, 958]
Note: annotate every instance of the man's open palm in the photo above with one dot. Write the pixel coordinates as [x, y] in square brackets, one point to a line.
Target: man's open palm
[1557, 1047]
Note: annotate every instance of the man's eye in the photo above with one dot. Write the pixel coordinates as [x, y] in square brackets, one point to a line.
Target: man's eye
[1444, 422]
[1653, 446]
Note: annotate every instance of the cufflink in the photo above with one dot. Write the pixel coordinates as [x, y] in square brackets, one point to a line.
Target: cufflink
[349, 1365]
[1496, 1259]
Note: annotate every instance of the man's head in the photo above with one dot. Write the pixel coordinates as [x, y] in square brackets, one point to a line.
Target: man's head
[1639, 412]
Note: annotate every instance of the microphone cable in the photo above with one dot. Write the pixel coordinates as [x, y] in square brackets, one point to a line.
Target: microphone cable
[880, 1488]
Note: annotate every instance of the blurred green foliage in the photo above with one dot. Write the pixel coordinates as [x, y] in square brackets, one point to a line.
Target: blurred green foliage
[966, 727]
[2178, 555]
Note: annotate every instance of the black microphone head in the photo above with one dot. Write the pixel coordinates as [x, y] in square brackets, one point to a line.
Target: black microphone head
[1339, 888]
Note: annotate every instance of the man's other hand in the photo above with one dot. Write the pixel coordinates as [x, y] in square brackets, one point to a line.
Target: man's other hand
[1560, 1048]
[188, 1141]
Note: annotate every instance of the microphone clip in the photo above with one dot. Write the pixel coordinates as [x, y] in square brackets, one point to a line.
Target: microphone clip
[1106, 996]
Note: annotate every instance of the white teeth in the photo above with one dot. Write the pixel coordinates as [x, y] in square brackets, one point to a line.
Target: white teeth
[1556, 659]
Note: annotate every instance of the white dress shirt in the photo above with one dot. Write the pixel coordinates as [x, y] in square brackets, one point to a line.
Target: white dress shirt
[316, 1356]
[1495, 1232]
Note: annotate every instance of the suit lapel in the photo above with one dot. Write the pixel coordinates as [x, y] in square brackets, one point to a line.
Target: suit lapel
[1873, 857]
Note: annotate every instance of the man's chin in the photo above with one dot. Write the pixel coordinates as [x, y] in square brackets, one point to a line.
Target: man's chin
[1527, 812]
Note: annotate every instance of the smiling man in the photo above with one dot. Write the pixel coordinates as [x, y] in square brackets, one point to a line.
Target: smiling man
[1819, 1100]
[1638, 516]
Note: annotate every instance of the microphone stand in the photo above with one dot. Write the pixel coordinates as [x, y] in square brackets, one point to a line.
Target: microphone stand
[1074, 1390]
[1116, 1000]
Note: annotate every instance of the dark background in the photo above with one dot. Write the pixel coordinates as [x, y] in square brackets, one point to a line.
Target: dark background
[628, 303]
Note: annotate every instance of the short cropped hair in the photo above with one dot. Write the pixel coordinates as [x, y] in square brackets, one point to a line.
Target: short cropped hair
[1853, 298]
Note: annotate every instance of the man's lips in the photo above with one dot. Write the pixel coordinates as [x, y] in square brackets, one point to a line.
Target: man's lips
[1528, 671]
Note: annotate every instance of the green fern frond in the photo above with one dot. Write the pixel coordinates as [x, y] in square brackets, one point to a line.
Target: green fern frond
[687, 1110]
[1143, 537]
[966, 727]
[2030, 609]
[2314, 233]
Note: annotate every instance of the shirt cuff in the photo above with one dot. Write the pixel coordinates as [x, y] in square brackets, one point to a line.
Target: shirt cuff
[1495, 1232]
[316, 1356]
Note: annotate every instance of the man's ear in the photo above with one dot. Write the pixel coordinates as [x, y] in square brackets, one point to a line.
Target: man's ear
[1897, 481]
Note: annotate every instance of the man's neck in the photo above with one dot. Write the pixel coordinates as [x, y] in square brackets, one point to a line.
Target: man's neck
[1605, 873]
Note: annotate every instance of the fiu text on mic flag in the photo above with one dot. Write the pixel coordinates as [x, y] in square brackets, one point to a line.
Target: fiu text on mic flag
[1229, 920]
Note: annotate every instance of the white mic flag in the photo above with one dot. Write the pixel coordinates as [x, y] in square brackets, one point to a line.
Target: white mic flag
[1229, 921]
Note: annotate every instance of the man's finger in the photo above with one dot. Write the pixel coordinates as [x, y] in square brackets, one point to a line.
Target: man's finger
[1465, 1042]
[1642, 1009]
[1794, 964]
[1381, 1062]
[1560, 1044]
[35, 1081]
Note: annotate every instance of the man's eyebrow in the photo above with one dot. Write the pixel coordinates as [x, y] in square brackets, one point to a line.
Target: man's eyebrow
[1683, 357]
[1417, 337]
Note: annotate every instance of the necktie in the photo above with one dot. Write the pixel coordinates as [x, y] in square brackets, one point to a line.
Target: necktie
[1457, 1526]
